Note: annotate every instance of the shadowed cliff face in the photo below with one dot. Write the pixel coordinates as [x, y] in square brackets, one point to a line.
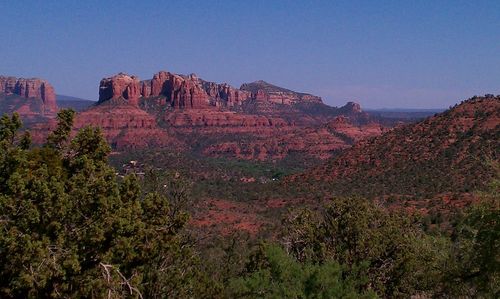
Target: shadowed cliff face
[29, 97]
[120, 86]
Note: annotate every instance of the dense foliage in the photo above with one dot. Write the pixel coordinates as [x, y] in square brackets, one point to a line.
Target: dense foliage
[399, 259]
[272, 273]
[475, 256]
[70, 229]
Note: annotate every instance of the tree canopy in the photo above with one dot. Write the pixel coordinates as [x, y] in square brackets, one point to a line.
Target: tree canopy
[69, 227]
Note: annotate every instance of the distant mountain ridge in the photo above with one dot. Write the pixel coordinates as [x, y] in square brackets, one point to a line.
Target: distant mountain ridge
[61, 97]
[75, 103]
[412, 114]
[263, 85]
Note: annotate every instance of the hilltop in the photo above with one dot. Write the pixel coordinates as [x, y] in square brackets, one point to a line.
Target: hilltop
[448, 152]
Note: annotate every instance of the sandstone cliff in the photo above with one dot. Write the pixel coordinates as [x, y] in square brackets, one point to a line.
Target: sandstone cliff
[258, 121]
[40, 92]
[191, 92]
[120, 86]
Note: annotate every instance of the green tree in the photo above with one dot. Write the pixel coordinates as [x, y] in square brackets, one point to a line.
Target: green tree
[400, 259]
[474, 266]
[69, 228]
[60, 135]
[272, 273]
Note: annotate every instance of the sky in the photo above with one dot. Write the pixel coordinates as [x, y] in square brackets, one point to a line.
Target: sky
[382, 54]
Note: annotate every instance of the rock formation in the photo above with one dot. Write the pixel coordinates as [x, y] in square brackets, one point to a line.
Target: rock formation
[120, 86]
[343, 125]
[350, 108]
[258, 121]
[322, 142]
[126, 127]
[263, 91]
[191, 92]
[33, 88]
[224, 95]
[183, 92]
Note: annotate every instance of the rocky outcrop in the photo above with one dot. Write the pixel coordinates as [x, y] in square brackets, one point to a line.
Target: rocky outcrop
[126, 127]
[33, 88]
[308, 142]
[350, 108]
[191, 92]
[258, 121]
[120, 86]
[220, 120]
[263, 91]
[224, 95]
[184, 92]
[343, 125]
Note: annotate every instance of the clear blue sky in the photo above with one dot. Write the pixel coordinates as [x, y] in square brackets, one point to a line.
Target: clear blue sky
[420, 54]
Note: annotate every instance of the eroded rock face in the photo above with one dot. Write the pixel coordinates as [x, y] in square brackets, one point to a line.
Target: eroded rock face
[320, 142]
[258, 121]
[120, 86]
[310, 142]
[224, 95]
[343, 125]
[124, 127]
[33, 88]
[182, 92]
[263, 91]
[211, 120]
[191, 92]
